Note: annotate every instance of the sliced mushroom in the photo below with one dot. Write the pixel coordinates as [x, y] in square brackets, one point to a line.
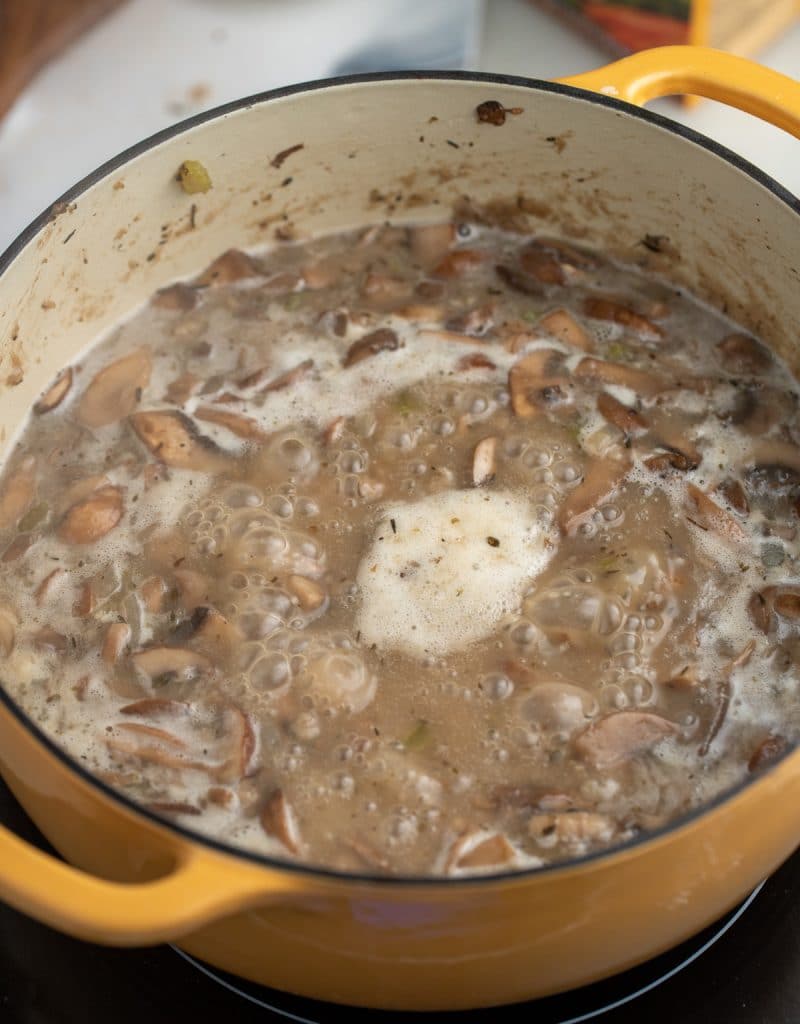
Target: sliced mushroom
[641, 382]
[420, 313]
[733, 493]
[600, 480]
[50, 639]
[243, 426]
[8, 630]
[628, 420]
[116, 390]
[518, 281]
[165, 664]
[81, 489]
[742, 354]
[193, 588]
[55, 394]
[156, 707]
[542, 263]
[783, 601]
[563, 325]
[384, 289]
[670, 459]
[178, 297]
[212, 634]
[174, 439]
[600, 308]
[766, 753]
[475, 361]
[368, 855]
[384, 339]
[242, 738]
[309, 593]
[289, 378]
[183, 387]
[708, 515]
[722, 701]
[49, 585]
[480, 850]
[429, 243]
[233, 265]
[570, 828]
[459, 262]
[278, 821]
[18, 493]
[537, 382]
[91, 519]
[153, 593]
[317, 276]
[476, 322]
[116, 642]
[483, 461]
[173, 807]
[622, 735]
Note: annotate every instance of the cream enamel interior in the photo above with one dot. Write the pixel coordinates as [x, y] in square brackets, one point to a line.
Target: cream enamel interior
[383, 149]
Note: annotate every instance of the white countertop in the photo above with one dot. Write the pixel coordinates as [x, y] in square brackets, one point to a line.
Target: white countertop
[155, 61]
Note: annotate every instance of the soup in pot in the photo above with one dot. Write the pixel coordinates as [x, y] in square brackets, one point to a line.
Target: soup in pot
[422, 551]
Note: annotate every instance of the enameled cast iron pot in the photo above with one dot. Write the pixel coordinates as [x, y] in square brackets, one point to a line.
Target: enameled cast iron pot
[579, 159]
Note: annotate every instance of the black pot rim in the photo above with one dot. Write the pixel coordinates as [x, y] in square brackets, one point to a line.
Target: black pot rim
[394, 882]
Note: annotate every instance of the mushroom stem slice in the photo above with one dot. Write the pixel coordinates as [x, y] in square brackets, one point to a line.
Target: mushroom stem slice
[706, 514]
[628, 420]
[213, 635]
[644, 384]
[607, 309]
[562, 324]
[175, 440]
[233, 265]
[483, 461]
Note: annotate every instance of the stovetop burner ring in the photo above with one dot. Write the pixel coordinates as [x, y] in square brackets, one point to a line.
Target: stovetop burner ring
[251, 996]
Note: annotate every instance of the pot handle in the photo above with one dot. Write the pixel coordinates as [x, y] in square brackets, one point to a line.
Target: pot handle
[200, 888]
[698, 71]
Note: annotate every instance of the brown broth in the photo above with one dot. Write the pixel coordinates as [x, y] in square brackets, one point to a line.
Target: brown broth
[420, 551]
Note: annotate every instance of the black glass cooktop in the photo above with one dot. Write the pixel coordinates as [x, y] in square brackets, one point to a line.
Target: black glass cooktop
[745, 969]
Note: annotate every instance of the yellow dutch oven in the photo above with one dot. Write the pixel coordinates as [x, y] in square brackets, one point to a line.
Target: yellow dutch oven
[579, 158]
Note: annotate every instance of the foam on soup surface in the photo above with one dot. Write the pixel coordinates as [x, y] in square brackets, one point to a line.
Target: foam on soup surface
[416, 551]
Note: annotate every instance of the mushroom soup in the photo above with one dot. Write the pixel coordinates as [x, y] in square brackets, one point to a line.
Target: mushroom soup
[414, 551]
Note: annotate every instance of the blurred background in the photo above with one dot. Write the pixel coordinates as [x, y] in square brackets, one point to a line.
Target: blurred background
[81, 80]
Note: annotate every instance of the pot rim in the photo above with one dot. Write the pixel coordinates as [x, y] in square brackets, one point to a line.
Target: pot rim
[150, 142]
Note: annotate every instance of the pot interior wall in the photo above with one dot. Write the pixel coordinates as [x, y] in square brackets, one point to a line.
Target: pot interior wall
[407, 149]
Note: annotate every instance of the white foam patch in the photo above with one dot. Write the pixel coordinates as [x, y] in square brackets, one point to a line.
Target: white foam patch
[437, 580]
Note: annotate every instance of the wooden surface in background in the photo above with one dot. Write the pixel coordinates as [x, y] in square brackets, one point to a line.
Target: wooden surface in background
[34, 31]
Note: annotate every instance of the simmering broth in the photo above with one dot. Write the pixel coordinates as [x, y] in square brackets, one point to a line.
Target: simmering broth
[415, 551]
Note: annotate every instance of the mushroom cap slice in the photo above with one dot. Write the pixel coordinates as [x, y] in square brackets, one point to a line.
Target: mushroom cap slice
[278, 821]
[622, 735]
[175, 440]
[89, 520]
[116, 390]
[18, 493]
[56, 393]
